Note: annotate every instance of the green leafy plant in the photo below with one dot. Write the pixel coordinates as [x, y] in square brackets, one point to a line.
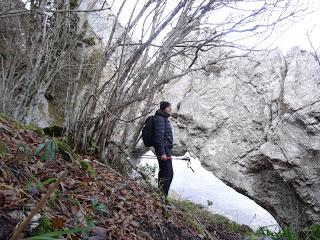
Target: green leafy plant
[73, 4]
[93, 148]
[313, 232]
[47, 150]
[35, 129]
[52, 202]
[66, 150]
[91, 222]
[149, 170]
[267, 232]
[288, 233]
[55, 234]
[10, 121]
[98, 207]
[40, 185]
[87, 167]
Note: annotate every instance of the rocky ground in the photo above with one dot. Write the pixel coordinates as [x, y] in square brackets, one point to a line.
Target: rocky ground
[92, 202]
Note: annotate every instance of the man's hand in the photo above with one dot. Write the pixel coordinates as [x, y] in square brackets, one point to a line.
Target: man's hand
[163, 157]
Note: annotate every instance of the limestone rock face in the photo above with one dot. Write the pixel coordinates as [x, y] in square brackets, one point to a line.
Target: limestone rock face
[39, 113]
[255, 123]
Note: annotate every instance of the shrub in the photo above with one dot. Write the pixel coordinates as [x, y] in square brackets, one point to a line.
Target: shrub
[47, 150]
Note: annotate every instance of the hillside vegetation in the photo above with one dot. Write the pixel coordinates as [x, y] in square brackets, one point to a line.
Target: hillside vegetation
[92, 200]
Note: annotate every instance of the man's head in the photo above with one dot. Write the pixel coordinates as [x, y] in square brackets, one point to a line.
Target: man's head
[165, 107]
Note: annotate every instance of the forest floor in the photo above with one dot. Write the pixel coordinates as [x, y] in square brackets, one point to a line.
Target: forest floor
[93, 201]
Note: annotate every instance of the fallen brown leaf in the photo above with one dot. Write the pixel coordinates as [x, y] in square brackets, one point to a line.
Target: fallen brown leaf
[58, 223]
[101, 231]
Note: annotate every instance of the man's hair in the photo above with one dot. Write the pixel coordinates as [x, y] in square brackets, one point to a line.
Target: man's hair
[164, 104]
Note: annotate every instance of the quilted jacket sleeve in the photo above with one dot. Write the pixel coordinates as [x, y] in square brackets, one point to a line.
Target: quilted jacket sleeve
[159, 132]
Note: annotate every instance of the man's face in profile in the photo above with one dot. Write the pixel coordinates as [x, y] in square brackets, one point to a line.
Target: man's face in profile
[168, 110]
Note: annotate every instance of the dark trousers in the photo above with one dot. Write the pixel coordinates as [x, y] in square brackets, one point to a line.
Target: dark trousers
[165, 174]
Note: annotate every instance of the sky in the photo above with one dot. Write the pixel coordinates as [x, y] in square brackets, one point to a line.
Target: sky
[290, 35]
[293, 33]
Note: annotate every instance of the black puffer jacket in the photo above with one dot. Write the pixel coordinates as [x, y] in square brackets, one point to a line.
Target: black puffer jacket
[163, 137]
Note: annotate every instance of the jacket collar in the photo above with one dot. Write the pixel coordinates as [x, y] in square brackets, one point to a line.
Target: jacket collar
[159, 112]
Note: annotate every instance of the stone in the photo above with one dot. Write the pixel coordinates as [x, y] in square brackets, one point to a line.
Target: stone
[255, 125]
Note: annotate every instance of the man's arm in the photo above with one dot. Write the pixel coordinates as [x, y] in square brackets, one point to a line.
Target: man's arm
[159, 130]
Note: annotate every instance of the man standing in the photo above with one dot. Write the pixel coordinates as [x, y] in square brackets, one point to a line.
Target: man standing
[163, 143]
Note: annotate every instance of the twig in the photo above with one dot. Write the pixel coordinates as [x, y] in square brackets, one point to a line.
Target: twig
[104, 165]
[12, 188]
[25, 11]
[144, 176]
[315, 51]
[37, 208]
[118, 118]
[5, 128]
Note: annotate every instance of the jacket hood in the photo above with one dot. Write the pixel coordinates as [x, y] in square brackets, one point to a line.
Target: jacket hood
[159, 112]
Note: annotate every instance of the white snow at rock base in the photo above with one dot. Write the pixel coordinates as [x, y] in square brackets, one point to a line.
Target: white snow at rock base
[202, 186]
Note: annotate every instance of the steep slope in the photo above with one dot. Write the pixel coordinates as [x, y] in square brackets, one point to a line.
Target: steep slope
[93, 201]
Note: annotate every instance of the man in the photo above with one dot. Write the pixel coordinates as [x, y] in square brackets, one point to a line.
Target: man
[163, 143]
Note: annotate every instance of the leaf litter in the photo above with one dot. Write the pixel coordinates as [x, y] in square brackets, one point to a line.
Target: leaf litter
[98, 204]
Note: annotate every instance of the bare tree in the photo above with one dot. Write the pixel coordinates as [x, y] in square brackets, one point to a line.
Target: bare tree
[316, 50]
[107, 99]
[142, 65]
[39, 50]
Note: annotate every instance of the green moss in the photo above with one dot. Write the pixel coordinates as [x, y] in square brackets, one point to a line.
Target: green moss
[53, 200]
[55, 117]
[73, 4]
[10, 121]
[39, 131]
[35, 129]
[95, 57]
[53, 114]
[187, 205]
[16, 125]
[66, 151]
[87, 167]
[45, 226]
[288, 233]
[3, 150]
[254, 236]
[313, 232]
